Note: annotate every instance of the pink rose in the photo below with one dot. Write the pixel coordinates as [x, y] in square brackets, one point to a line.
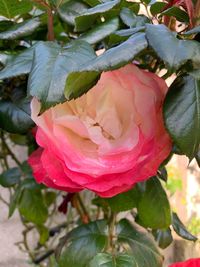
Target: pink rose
[188, 263]
[108, 139]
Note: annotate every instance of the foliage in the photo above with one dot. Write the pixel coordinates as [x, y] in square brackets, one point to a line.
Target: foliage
[48, 50]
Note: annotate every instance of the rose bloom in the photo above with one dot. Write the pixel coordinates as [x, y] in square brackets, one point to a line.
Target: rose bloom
[105, 141]
[188, 263]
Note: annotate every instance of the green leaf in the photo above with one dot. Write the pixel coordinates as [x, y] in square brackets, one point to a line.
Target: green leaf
[124, 201]
[16, 65]
[100, 31]
[131, 20]
[178, 13]
[92, 2]
[172, 51]
[122, 35]
[107, 260]
[111, 59]
[87, 18]
[49, 197]
[139, 245]
[80, 83]
[153, 207]
[44, 234]
[180, 229]
[163, 237]
[14, 200]
[10, 177]
[12, 8]
[157, 8]
[51, 65]
[32, 206]
[71, 9]
[22, 29]
[182, 114]
[198, 158]
[15, 116]
[83, 243]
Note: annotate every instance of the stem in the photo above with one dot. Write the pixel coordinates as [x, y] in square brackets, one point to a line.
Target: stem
[50, 35]
[111, 232]
[78, 204]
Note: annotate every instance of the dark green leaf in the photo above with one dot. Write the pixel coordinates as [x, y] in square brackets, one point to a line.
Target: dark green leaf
[131, 20]
[32, 206]
[14, 200]
[157, 8]
[139, 245]
[124, 201]
[22, 29]
[163, 237]
[180, 229]
[176, 12]
[16, 65]
[108, 260]
[87, 18]
[198, 158]
[153, 207]
[122, 35]
[12, 8]
[49, 198]
[51, 65]
[83, 243]
[182, 114]
[10, 177]
[101, 31]
[15, 116]
[71, 9]
[111, 59]
[172, 51]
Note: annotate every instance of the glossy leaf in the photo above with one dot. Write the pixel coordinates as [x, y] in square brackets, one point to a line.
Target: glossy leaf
[32, 206]
[51, 65]
[198, 158]
[10, 177]
[139, 245]
[15, 116]
[16, 65]
[180, 229]
[71, 9]
[171, 50]
[83, 243]
[108, 260]
[176, 12]
[12, 8]
[124, 201]
[22, 29]
[87, 18]
[163, 237]
[182, 114]
[157, 8]
[111, 59]
[153, 207]
[101, 31]
[131, 20]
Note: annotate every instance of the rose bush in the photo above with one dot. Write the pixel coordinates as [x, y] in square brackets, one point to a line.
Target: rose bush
[188, 263]
[106, 140]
